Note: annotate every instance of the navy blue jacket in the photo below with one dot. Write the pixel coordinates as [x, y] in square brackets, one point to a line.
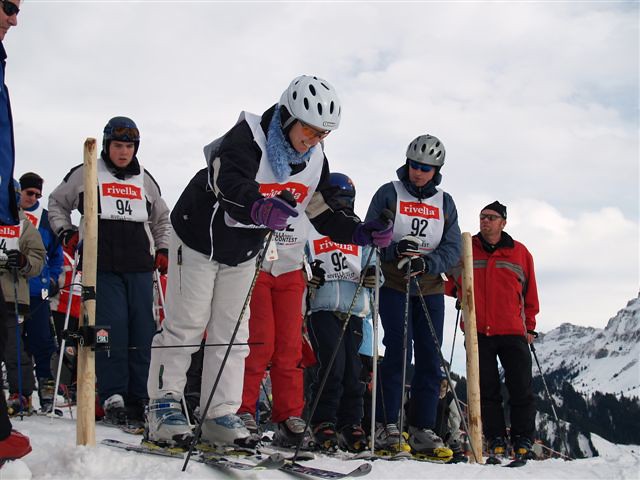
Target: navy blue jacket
[8, 205]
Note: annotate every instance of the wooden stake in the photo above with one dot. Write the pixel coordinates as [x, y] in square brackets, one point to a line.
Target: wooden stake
[86, 395]
[471, 345]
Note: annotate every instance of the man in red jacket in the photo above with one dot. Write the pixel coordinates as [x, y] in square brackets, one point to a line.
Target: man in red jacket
[506, 300]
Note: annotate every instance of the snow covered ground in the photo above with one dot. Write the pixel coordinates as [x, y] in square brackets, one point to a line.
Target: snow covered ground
[55, 455]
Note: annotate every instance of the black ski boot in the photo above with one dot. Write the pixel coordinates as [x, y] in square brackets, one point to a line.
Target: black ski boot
[497, 450]
[353, 438]
[325, 436]
[290, 432]
[523, 448]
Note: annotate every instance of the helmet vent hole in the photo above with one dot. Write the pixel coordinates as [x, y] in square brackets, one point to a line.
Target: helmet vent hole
[295, 95]
[325, 86]
[331, 107]
[306, 103]
[431, 151]
[319, 108]
[438, 155]
[312, 89]
[424, 147]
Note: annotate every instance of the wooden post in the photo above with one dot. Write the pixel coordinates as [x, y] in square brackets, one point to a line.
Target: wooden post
[471, 345]
[86, 394]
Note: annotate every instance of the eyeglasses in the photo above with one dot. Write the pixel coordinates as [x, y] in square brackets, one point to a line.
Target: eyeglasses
[488, 216]
[420, 166]
[9, 8]
[125, 134]
[31, 193]
[310, 132]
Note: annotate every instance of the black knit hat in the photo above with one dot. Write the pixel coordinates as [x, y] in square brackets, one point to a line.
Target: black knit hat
[31, 180]
[497, 207]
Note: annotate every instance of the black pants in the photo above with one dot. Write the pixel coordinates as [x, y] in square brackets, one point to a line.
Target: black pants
[341, 399]
[5, 423]
[514, 355]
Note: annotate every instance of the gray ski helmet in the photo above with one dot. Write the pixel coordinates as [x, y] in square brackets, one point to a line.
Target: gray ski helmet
[314, 101]
[122, 129]
[426, 149]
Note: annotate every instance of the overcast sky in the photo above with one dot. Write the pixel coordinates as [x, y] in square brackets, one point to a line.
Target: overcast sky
[535, 102]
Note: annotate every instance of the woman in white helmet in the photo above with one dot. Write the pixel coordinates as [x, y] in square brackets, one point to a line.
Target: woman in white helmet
[266, 171]
[426, 240]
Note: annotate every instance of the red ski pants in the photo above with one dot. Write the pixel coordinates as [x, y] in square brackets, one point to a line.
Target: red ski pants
[276, 323]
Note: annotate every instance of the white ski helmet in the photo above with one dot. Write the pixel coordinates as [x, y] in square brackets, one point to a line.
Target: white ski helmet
[426, 149]
[313, 101]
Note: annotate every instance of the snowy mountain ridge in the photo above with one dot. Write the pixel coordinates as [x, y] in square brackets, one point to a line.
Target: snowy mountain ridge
[605, 360]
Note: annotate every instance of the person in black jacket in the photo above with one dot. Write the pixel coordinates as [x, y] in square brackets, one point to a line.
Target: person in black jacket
[220, 223]
[133, 234]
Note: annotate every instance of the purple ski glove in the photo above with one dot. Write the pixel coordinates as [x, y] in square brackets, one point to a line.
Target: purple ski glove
[377, 232]
[272, 212]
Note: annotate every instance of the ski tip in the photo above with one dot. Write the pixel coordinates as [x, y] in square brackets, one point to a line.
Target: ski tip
[363, 469]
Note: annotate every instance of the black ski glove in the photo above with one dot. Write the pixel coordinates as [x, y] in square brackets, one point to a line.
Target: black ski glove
[418, 265]
[16, 259]
[369, 277]
[408, 245]
[53, 288]
[317, 275]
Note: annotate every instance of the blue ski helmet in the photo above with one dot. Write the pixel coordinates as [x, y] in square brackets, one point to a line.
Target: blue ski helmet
[122, 129]
[346, 190]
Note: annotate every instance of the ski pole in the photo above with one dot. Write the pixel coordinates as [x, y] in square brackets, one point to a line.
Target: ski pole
[453, 346]
[436, 341]
[455, 331]
[553, 403]
[374, 373]
[405, 346]
[18, 339]
[334, 354]
[64, 340]
[198, 432]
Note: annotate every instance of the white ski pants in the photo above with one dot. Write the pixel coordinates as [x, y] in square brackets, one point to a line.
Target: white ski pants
[201, 296]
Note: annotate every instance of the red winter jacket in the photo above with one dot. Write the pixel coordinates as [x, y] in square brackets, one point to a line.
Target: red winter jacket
[505, 290]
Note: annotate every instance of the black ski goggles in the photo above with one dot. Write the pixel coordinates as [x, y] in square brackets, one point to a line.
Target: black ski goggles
[125, 134]
[9, 8]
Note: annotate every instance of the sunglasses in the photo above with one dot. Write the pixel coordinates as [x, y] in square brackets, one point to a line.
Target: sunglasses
[31, 193]
[488, 216]
[420, 166]
[311, 132]
[10, 9]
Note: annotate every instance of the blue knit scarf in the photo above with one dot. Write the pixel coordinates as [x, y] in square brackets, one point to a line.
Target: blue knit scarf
[280, 153]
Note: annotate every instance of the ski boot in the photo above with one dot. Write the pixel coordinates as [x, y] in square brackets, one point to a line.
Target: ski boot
[425, 443]
[249, 422]
[325, 436]
[458, 452]
[496, 450]
[291, 432]
[15, 401]
[15, 446]
[228, 430]
[388, 441]
[166, 424]
[353, 438]
[115, 412]
[523, 448]
[46, 387]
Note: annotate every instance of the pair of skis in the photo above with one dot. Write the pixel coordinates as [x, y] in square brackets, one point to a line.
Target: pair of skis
[275, 461]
